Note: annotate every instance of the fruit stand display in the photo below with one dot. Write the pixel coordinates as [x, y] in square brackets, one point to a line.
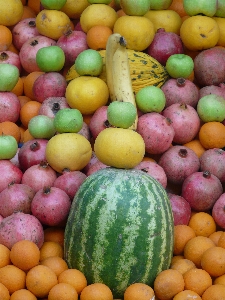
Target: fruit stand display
[112, 149]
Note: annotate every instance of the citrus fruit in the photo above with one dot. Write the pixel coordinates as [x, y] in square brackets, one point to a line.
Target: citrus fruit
[123, 148]
[139, 291]
[73, 9]
[10, 12]
[212, 135]
[74, 277]
[63, 291]
[69, 151]
[96, 291]
[5, 38]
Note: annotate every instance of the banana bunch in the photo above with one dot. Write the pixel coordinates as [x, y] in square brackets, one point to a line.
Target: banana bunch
[118, 72]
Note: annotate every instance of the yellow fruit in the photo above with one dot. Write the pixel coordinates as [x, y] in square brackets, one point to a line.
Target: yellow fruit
[119, 148]
[98, 14]
[221, 23]
[199, 33]
[167, 19]
[52, 23]
[68, 151]
[138, 31]
[11, 12]
[73, 9]
[87, 94]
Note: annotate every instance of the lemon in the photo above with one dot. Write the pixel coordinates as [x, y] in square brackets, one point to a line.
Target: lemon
[87, 94]
[119, 147]
[70, 151]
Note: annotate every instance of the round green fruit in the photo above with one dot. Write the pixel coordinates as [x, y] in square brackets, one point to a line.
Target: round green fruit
[53, 4]
[89, 62]
[150, 99]
[68, 120]
[8, 146]
[9, 77]
[42, 127]
[99, 1]
[50, 59]
[211, 108]
[179, 65]
[121, 114]
[134, 7]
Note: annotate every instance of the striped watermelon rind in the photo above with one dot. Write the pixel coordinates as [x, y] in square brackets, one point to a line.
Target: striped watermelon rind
[120, 229]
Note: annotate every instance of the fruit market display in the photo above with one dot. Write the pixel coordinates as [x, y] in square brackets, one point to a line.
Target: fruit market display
[112, 150]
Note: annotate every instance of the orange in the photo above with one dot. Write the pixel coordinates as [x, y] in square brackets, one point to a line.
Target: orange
[25, 255]
[215, 236]
[52, 23]
[177, 6]
[183, 265]
[137, 31]
[13, 49]
[221, 240]
[23, 294]
[120, 13]
[182, 234]
[197, 280]
[18, 88]
[168, 283]
[11, 12]
[175, 258]
[74, 277]
[97, 37]
[28, 12]
[166, 18]
[220, 280]
[98, 14]
[23, 99]
[199, 32]
[96, 291]
[4, 292]
[10, 128]
[34, 4]
[214, 292]
[139, 291]
[54, 234]
[87, 94]
[5, 38]
[28, 83]
[26, 136]
[63, 291]
[221, 23]
[13, 278]
[213, 261]
[74, 9]
[196, 146]
[195, 247]
[4, 256]
[49, 249]
[39, 280]
[202, 223]
[212, 135]
[56, 263]
[28, 111]
[187, 295]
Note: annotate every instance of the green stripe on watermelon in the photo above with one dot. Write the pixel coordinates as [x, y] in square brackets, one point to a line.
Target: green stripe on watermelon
[120, 229]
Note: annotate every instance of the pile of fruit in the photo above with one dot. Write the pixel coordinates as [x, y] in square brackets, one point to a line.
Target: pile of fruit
[112, 149]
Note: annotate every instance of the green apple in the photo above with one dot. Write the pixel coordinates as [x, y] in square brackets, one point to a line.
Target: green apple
[9, 77]
[220, 12]
[53, 4]
[50, 59]
[68, 120]
[42, 127]
[150, 99]
[160, 4]
[8, 146]
[204, 7]
[211, 108]
[179, 65]
[121, 114]
[89, 62]
[134, 7]
[99, 1]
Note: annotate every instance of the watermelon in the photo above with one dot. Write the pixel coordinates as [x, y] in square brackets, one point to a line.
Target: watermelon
[120, 229]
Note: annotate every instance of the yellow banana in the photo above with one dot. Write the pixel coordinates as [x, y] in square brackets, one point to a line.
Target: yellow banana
[112, 45]
[122, 84]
